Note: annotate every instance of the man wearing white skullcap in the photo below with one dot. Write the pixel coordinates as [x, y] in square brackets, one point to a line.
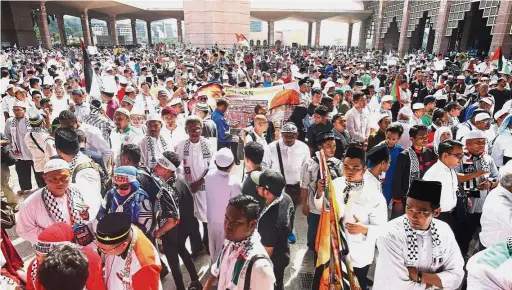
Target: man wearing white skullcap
[123, 134]
[220, 186]
[404, 116]
[58, 201]
[154, 144]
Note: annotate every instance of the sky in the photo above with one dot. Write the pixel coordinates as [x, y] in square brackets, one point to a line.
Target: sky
[331, 31]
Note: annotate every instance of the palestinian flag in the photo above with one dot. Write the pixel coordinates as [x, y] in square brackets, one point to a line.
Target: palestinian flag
[333, 266]
[395, 91]
[496, 58]
[506, 67]
[241, 39]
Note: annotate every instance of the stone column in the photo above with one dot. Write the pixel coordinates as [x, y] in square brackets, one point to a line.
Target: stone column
[310, 33]
[44, 30]
[403, 42]
[350, 29]
[362, 36]
[270, 33]
[378, 42]
[62, 30]
[148, 24]
[86, 32]
[113, 30]
[501, 35]
[317, 32]
[441, 41]
[134, 30]
[91, 32]
[180, 30]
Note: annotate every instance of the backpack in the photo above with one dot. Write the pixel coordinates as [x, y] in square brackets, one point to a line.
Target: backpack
[456, 128]
[106, 181]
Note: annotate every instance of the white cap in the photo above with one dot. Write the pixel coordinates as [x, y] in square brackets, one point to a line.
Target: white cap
[329, 84]
[500, 113]
[169, 79]
[123, 81]
[406, 111]
[387, 98]
[475, 134]
[225, 77]
[130, 89]
[154, 117]
[486, 100]
[441, 97]
[418, 106]
[224, 157]
[108, 67]
[461, 77]
[340, 81]
[175, 101]
[137, 111]
[382, 116]
[55, 164]
[20, 104]
[481, 117]
[9, 86]
[123, 111]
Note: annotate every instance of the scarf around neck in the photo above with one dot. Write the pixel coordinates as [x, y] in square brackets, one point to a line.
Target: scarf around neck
[75, 204]
[411, 259]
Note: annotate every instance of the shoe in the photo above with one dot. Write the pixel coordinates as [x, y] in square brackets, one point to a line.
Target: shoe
[198, 253]
[195, 285]
[237, 162]
[164, 272]
[291, 238]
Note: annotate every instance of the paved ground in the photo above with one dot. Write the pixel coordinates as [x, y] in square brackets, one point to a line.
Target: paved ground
[297, 268]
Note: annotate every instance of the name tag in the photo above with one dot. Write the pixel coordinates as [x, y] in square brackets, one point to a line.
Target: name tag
[83, 235]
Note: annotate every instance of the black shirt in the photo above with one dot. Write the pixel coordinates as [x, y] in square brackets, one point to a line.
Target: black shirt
[316, 129]
[500, 98]
[274, 227]
[249, 188]
[311, 109]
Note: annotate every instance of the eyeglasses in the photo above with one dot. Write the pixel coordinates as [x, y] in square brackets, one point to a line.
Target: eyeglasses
[419, 212]
[458, 155]
[58, 180]
[125, 186]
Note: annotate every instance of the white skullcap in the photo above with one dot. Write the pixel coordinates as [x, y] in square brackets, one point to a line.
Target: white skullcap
[224, 157]
[329, 84]
[154, 117]
[130, 89]
[175, 101]
[486, 100]
[55, 164]
[481, 117]
[387, 98]
[123, 111]
[20, 104]
[418, 106]
[406, 111]
[500, 113]
[169, 79]
[475, 134]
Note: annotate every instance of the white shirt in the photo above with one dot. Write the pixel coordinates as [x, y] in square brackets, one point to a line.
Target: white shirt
[117, 139]
[95, 141]
[439, 64]
[391, 271]
[16, 137]
[260, 139]
[496, 217]
[502, 147]
[376, 83]
[490, 269]
[89, 181]
[38, 156]
[369, 206]
[82, 111]
[448, 178]
[49, 148]
[293, 158]
[59, 105]
[198, 165]
[415, 121]
[159, 149]
[485, 68]
[220, 187]
[175, 136]
[358, 124]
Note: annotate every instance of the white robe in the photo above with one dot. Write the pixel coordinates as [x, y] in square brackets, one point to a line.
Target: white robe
[146, 158]
[117, 139]
[198, 165]
[369, 206]
[490, 269]
[391, 271]
[293, 158]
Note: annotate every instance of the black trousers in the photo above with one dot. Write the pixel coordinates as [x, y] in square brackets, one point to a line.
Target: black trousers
[448, 217]
[24, 171]
[362, 276]
[279, 267]
[464, 231]
[231, 145]
[174, 248]
[39, 179]
[196, 242]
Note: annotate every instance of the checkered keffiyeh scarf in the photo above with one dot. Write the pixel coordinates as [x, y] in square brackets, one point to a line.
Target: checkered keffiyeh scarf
[75, 201]
[351, 186]
[151, 149]
[412, 242]
[414, 171]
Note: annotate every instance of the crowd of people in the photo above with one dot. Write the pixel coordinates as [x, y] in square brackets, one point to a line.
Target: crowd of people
[416, 148]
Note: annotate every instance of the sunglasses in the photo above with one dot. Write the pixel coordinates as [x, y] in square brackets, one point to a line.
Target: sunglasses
[459, 155]
[125, 186]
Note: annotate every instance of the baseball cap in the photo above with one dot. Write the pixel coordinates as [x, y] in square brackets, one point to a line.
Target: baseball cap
[269, 179]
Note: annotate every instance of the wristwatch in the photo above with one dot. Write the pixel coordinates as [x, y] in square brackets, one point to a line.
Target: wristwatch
[419, 276]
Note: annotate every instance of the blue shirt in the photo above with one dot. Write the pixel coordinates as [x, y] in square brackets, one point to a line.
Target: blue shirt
[267, 84]
[222, 126]
[469, 111]
[387, 183]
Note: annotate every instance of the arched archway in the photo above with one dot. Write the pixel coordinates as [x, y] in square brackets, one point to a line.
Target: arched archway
[251, 42]
[278, 42]
[258, 42]
[392, 36]
[265, 42]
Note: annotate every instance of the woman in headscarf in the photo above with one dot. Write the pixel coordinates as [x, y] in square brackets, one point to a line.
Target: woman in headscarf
[48, 240]
[298, 118]
[127, 196]
[441, 134]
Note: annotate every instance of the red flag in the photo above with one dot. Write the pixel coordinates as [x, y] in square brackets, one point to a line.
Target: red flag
[497, 59]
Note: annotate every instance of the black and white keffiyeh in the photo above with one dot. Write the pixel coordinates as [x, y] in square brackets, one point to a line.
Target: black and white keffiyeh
[414, 171]
[151, 149]
[412, 242]
[207, 154]
[14, 133]
[75, 202]
[350, 186]
[74, 162]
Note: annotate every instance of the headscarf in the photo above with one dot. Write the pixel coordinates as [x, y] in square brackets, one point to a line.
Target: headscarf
[136, 196]
[130, 173]
[504, 125]
[437, 136]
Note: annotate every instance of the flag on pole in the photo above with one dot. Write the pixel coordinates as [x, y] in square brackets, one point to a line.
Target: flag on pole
[333, 266]
[91, 83]
[241, 39]
[395, 91]
[497, 58]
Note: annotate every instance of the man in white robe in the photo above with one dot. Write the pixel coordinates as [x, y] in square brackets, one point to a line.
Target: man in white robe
[416, 250]
[196, 155]
[172, 130]
[363, 210]
[154, 144]
[123, 134]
